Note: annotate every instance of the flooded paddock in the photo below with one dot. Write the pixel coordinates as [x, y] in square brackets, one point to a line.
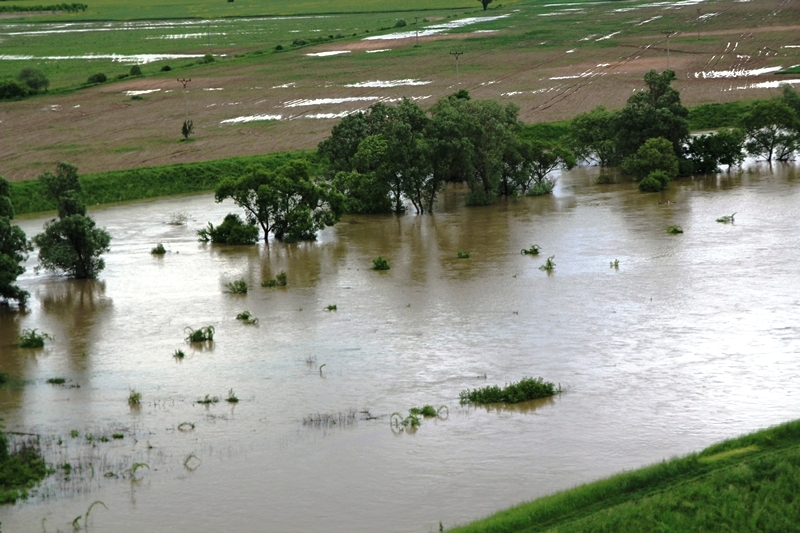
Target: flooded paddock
[692, 339]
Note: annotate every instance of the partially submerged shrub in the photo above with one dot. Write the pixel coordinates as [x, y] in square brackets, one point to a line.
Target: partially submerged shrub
[158, 250]
[232, 231]
[279, 281]
[614, 263]
[726, 219]
[231, 397]
[97, 78]
[380, 263]
[56, 381]
[134, 397]
[331, 308]
[247, 318]
[533, 250]
[237, 287]
[548, 265]
[30, 339]
[522, 391]
[674, 230]
[199, 335]
[462, 255]
[650, 184]
[178, 354]
[208, 400]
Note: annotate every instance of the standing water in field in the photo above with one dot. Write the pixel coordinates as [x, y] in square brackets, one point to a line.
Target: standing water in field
[282, 421]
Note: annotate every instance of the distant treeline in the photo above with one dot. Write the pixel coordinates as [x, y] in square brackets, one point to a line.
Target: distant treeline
[69, 8]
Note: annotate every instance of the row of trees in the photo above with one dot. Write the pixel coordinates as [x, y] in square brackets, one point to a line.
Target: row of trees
[70, 244]
[29, 81]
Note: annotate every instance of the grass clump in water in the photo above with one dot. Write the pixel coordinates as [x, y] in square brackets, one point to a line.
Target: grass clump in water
[279, 281]
[232, 397]
[524, 390]
[331, 307]
[21, 469]
[208, 400]
[179, 354]
[237, 287]
[56, 381]
[533, 250]
[247, 318]
[674, 230]
[205, 334]
[462, 255]
[549, 265]
[379, 263]
[134, 398]
[614, 263]
[727, 219]
[158, 250]
[30, 339]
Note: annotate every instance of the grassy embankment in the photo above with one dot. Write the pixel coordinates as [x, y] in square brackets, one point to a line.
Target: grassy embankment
[751, 483]
[152, 182]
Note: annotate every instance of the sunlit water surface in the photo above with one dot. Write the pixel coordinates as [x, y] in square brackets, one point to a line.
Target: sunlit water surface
[693, 339]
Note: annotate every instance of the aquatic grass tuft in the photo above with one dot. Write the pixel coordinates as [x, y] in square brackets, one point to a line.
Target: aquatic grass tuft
[614, 263]
[247, 318]
[158, 250]
[178, 219]
[379, 263]
[462, 255]
[30, 339]
[208, 400]
[205, 334]
[237, 287]
[549, 265]
[397, 420]
[117, 436]
[727, 219]
[522, 391]
[279, 281]
[674, 230]
[56, 381]
[341, 419]
[533, 250]
[311, 361]
[232, 397]
[178, 354]
[76, 523]
[134, 398]
[331, 308]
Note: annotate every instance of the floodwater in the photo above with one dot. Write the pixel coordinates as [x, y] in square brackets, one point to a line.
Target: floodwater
[693, 339]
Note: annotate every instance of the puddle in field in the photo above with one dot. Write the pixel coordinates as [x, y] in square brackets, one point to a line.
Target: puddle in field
[285, 85]
[685, 344]
[436, 29]
[325, 101]
[736, 73]
[144, 91]
[648, 21]
[389, 83]
[379, 51]
[609, 36]
[766, 85]
[133, 59]
[251, 118]
[329, 53]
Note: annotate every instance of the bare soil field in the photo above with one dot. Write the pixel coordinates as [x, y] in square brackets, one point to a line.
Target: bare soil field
[291, 100]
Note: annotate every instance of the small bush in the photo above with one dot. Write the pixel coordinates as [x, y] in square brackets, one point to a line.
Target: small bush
[674, 230]
[379, 263]
[10, 89]
[179, 354]
[3, 378]
[208, 58]
[331, 307]
[278, 48]
[158, 250]
[247, 318]
[400, 24]
[56, 381]
[166, 68]
[33, 78]
[299, 42]
[727, 219]
[208, 400]
[279, 281]
[30, 339]
[231, 397]
[97, 78]
[122, 76]
[237, 287]
[650, 184]
[117, 436]
[136, 70]
[462, 255]
[522, 391]
[232, 231]
[187, 128]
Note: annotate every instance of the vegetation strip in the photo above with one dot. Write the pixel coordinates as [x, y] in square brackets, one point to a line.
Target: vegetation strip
[748, 483]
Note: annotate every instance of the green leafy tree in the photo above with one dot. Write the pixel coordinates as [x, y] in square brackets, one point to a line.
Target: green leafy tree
[594, 134]
[365, 189]
[287, 202]
[725, 147]
[341, 147]
[33, 78]
[772, 130]
[71, 244]
[655, 155]
[232, 231]
[654, 112]
[791, 97]
[540, 159]
[13, 249]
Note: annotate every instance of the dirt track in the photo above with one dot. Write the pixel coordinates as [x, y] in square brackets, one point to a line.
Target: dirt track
[102, 129]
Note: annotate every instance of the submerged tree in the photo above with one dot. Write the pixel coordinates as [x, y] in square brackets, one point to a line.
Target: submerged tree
[772, 130]
[71, 244]
[13, 249]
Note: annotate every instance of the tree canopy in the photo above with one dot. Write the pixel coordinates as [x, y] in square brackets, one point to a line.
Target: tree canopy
[14, 248]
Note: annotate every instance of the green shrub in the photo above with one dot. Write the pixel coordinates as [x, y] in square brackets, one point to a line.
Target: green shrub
[674, 230]
[400, 24]
[237, 287]
[650, 184]
[33, 78]
[299, 42]
[232, 231]
[136, 97]
[533, 250]
[178, 354]
[379, 263]
[134, 397]
[462, 255]
[522, 391]
[549, 265]
[56, 381]
[727, 219]
[10, 89]
[158, 250]
[136, 70]
[166, 68]
[97, 78]
[208, 58]
[199, 335]
[279, 47]
[480, 197]
[30, 339]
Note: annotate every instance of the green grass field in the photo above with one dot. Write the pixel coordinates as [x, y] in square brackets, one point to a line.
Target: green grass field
[751, 483]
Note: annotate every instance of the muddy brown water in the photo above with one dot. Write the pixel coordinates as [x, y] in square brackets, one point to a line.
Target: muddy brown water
[693, 339]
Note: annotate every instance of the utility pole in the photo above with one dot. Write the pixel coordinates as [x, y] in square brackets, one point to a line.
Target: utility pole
[458, 81]
[416, 28]
[184, 81]
[668, 33]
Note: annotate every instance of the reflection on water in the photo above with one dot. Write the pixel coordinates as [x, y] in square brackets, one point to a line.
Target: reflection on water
[692, 339]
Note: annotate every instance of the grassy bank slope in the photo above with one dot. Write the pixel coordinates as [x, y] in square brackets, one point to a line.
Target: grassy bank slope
[751, 483]
[149, 182]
